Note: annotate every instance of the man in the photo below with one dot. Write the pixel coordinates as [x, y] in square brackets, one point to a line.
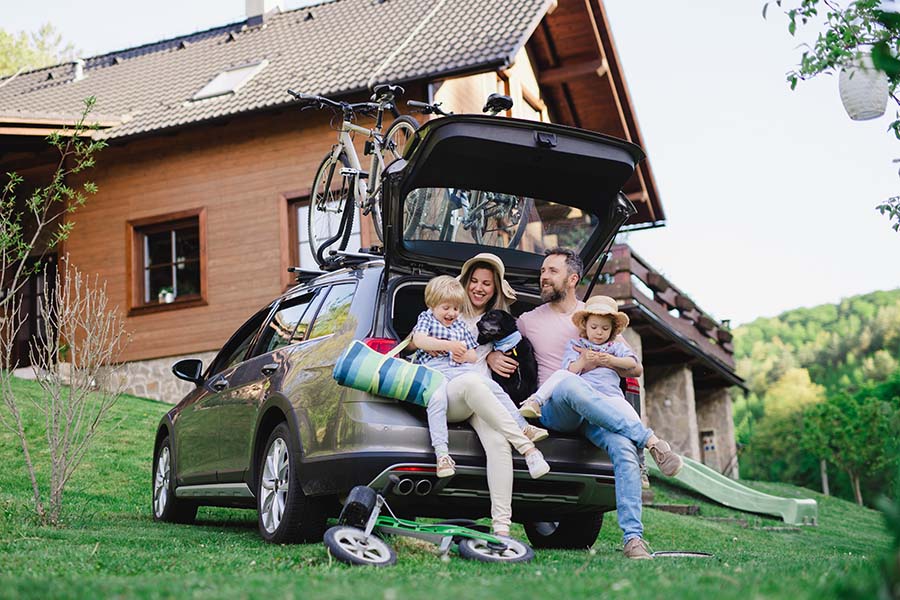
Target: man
[574, 406]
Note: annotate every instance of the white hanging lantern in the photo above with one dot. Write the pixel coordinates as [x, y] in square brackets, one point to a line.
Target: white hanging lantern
[863, 89]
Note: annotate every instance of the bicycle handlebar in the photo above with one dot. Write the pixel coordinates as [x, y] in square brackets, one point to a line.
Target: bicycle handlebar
[428, 109]
[322, 101]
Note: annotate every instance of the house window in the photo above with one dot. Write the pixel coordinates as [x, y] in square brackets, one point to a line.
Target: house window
[301, 254]
[168, 261]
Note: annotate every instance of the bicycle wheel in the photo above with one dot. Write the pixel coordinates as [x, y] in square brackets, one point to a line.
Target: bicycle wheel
[513, 552]
[396, 138]
[331, 195]
[350, 545]
[427, 215]
[502, 220]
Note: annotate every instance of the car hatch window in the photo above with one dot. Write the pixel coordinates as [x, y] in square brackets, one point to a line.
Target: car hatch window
[335, 310]
[284, 328]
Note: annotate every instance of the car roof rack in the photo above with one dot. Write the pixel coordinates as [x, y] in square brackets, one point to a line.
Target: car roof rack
[304, 275]
[341, 259]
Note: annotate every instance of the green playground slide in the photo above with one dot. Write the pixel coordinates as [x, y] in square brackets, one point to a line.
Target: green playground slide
[724, 490]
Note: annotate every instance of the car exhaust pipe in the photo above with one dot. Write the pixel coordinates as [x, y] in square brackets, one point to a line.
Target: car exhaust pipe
[423, 487]
[404, 487]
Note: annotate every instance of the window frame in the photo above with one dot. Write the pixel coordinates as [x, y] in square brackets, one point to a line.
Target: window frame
[135, 235]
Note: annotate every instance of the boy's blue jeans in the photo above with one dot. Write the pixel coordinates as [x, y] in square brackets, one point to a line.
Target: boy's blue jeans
[611, 425]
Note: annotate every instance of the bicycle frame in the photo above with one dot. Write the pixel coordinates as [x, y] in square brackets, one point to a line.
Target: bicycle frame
[345, 143]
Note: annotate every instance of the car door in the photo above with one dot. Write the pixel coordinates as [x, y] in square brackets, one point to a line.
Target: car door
[309, 384]
[197, 427]
[255, 378]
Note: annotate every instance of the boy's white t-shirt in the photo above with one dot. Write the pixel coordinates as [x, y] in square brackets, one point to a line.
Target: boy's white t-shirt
[549, 331]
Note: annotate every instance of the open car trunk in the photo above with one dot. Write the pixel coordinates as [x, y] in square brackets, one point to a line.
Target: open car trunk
[470, 184]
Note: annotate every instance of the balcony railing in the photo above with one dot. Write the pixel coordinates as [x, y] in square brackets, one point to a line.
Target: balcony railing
[632, 281]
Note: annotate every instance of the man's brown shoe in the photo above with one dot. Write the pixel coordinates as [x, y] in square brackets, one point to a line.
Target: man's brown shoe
[637, 548]
[669, 463]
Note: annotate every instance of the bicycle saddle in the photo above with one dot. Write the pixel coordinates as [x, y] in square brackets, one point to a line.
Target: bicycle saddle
[497, 103]
[387, 88]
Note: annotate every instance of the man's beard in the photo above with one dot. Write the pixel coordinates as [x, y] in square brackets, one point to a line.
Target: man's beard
[552, 294]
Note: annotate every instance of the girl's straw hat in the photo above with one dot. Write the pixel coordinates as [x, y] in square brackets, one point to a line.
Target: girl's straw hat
[602, 305]
[494, 261]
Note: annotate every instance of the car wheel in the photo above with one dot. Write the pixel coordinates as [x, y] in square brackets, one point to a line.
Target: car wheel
[166, 507]
[573, 532]
[350, 545]
[286, 514]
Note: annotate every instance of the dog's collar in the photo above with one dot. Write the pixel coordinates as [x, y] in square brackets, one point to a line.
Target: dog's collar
[509, 342]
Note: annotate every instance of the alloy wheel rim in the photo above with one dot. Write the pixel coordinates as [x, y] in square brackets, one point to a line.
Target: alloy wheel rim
[274, 486]
[369, 549]
[161, 482]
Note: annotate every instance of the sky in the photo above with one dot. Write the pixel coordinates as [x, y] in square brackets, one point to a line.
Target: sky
[769, 194]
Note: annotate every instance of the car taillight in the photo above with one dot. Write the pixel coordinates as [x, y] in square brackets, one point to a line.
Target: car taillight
[382, 345]
[632, 385]
[414, 469]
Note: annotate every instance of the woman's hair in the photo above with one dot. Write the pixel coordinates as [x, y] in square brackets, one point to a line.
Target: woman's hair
[499, 301]
[444, 288]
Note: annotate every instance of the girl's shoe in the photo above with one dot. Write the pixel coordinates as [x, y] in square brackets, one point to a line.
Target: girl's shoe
[445, 466]
[530, 409]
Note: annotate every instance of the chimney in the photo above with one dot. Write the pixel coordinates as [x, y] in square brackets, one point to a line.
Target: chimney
[259, 10]
[78, 74]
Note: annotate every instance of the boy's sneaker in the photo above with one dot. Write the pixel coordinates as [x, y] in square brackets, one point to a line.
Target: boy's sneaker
[669, 463]
[530, 409]
[537, 466]
[445, 466]
[535, 434]
[637, 548]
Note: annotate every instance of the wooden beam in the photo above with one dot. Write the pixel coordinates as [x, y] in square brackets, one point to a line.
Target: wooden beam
[570, 71]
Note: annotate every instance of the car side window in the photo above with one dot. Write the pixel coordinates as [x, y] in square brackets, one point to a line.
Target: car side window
[236, 348]
[282, 330]
[335, 310]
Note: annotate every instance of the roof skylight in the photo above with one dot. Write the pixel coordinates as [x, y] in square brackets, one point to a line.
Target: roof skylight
[230, 81]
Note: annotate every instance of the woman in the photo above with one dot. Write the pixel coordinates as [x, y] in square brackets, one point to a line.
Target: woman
[471, 396]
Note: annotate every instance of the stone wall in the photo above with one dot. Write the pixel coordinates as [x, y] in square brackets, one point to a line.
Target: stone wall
[634, 340]
[154, 379]
[714, 416]
[671, 411]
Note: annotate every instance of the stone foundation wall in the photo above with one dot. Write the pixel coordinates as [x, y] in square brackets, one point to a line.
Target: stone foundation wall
[714, 415]
[154, 379]
[671, 411]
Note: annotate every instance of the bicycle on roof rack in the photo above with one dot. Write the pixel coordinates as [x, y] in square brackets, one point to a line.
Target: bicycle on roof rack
[444, 214]
[340, 185]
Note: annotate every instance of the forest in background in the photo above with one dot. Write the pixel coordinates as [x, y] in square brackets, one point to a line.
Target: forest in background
[823, 394]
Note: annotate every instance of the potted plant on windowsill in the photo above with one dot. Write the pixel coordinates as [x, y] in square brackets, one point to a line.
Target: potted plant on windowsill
[166, 296]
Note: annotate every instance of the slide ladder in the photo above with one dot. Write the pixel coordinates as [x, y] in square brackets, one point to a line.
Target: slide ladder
[724, 490]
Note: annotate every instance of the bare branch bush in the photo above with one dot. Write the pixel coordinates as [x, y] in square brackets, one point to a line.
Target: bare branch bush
[75, 359]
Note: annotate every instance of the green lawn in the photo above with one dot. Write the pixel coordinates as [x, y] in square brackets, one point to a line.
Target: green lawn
[108, 545]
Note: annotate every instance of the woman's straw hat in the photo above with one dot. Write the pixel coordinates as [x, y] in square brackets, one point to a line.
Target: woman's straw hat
[602, 305]
[494, 261]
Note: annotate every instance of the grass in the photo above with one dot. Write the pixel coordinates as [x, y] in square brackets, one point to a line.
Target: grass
[108, 545]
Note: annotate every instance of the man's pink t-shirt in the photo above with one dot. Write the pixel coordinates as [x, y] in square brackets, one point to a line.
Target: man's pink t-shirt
[548, 331]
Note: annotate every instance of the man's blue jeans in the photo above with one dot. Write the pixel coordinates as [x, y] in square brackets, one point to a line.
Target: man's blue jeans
[611, 424]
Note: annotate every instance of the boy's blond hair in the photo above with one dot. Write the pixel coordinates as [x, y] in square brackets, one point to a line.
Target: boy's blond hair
[444, 288]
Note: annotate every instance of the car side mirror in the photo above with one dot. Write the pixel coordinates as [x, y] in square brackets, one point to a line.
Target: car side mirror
[189, 369]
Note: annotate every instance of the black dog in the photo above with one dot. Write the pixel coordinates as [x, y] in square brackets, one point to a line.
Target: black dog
[497, 325]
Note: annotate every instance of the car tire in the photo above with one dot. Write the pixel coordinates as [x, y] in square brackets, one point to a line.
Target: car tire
[285, 514]
[573, 532]
[164, 505]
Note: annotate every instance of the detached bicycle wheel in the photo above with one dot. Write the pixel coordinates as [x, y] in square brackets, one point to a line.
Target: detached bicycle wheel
[350, 545]
[514, 552]
[331, 196]
[397, 136]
